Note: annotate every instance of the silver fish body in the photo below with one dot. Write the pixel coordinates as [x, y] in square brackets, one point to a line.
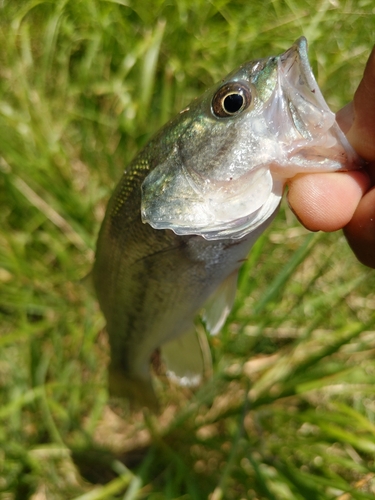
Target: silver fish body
[192, 203]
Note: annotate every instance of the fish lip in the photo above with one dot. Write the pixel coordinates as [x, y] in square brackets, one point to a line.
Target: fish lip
[298, 53]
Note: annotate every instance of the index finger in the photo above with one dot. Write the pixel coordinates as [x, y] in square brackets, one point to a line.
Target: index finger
[361, 134]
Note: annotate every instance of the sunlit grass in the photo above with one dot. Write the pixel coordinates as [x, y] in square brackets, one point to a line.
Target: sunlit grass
[290, 411]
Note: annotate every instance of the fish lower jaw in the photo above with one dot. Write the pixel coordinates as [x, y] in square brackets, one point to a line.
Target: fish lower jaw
[322, 162]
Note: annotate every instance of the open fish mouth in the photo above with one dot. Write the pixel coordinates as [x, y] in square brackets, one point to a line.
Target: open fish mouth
[225, 176]
[316, 142]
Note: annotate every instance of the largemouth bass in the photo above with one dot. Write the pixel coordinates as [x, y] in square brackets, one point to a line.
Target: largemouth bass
[189, 207]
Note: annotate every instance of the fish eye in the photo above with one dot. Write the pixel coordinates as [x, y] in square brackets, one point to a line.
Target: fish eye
[231, 99]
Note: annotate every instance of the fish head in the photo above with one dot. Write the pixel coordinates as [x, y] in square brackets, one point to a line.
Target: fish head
[228, 155]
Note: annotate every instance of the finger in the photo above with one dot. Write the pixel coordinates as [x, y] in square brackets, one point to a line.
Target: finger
[327, 201]
[345, 117]
[360, 231]
[362, 132]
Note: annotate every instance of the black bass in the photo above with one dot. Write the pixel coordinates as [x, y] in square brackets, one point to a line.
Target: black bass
[192, 203]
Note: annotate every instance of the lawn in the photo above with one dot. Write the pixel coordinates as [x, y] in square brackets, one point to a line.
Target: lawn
[290, 410]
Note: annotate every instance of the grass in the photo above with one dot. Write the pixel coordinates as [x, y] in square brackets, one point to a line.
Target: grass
[290, 412]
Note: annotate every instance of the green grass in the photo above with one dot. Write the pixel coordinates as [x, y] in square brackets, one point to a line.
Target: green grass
[290, 412]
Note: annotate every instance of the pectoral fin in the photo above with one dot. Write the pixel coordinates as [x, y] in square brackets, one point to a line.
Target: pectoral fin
[187, 358]
[219, 305]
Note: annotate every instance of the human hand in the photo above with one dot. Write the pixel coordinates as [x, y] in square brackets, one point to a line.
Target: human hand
[332, 201]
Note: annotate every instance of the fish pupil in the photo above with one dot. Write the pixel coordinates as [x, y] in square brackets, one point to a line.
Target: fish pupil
[232, 103]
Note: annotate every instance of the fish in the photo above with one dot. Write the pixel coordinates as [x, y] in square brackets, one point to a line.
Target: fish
[190, 206]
